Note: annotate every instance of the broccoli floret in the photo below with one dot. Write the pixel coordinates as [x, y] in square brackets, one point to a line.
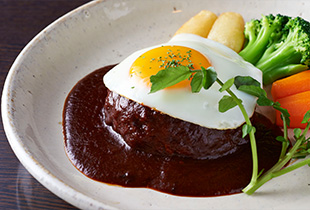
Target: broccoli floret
[260, 34]
[278, 45]
[288, 56]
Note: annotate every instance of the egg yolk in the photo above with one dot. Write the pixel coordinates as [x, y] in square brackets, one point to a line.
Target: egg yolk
[157, 59]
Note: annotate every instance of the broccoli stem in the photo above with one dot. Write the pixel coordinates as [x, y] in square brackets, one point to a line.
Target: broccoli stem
[260, 34]
[280, 72]
[279, 63]
[284, 55]
[255, 49]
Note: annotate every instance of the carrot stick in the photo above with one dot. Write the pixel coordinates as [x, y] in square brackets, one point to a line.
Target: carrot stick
[297, 105]
[291, 85]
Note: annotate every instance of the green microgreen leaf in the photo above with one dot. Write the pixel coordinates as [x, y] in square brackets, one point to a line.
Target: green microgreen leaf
[246, 80]
[227, 85]
[264, 101]
[306, 117]
[209, 77]
[284, 113]
[286, 119]
[251, 86]
[168, 77]
[253, 90]
[281, 139]
[196, 83]
[297, 133]
[246, 129]
[226, 103]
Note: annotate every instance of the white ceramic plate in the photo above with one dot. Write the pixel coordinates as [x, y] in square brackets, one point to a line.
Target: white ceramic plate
[95, 35]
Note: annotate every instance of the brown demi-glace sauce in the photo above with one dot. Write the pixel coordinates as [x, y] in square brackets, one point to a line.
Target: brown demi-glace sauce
[101, 154]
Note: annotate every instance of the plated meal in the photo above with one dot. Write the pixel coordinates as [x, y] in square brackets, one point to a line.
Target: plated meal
[115, 165]
[181, 117]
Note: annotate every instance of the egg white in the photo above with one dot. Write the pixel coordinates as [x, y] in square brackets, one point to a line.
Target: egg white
[198, 108]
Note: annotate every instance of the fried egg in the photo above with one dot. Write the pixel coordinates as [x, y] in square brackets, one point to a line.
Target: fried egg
[131, 79]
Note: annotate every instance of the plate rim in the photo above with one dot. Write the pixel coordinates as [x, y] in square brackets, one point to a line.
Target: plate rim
[81, 200]
[33, 166]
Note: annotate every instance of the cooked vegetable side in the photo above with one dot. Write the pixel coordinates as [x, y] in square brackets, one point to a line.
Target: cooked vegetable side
[291, 85]
[200, 24]
[279, 47]
[228, 30]
[293, 93]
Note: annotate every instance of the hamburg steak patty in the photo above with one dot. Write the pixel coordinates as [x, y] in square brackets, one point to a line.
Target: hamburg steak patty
[148, 130]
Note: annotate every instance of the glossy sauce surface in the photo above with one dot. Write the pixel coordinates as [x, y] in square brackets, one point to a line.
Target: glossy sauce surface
[101, 153]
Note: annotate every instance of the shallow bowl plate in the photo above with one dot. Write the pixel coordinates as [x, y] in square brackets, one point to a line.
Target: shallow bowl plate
[95, 35]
